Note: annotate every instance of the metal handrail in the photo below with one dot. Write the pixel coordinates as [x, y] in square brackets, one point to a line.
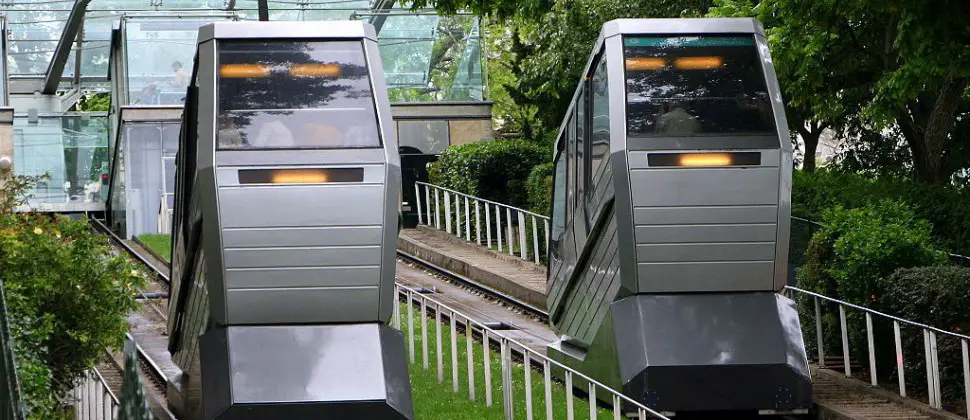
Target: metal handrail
[414, 298]
[930, 348]
[429, 208]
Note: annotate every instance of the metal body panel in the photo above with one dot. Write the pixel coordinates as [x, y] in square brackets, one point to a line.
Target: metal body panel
[306, 205]
[317, 305]
[694, 187]
[686, 277]
[296, 277]
[301, 236]
[762, 251]
[647, 216]
[306, 372]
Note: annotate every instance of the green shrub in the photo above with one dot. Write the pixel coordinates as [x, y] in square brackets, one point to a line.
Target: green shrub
[936, 296]
[849, 257]
[495, 170]
[68, 297]
[947, 208]
[855, 249]
[539, 185]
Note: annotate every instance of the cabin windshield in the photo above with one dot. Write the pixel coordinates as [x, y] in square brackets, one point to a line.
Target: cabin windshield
[695, 86]
[295, 95]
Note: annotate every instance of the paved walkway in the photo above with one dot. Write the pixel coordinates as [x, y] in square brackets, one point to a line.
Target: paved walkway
[513, 276]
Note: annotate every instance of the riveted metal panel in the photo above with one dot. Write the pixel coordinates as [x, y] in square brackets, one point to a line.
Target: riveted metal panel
[699, 187]
[752, 251]
[302, 305]
[705, 233]
[301, 236]
[705, 277]
[286, 277]
[704, 215]
[302, 256]
[319, 205]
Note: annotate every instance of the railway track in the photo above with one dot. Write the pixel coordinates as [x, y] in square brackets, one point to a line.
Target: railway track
[150, 320]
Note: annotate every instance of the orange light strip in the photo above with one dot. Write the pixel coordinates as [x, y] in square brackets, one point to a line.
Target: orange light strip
[244, 71]
[705, 159]
[315, 70]
[699, 63]
[645, 63]
[297, 176]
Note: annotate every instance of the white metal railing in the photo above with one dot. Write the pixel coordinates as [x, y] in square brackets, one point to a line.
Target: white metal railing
[930, 347]
[93, 399]
[494, 225]
[447, 317]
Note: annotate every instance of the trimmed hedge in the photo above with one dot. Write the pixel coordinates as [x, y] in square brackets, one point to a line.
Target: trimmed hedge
[495, 170]
[539, 185]
[947, 208]
[937, 296]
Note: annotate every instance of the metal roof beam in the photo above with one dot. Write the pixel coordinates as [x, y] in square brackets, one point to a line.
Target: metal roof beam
[379, 19]
[72, 32]
[263, 10]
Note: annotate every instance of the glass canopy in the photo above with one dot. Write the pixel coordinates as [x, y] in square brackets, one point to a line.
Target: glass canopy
[427, 57]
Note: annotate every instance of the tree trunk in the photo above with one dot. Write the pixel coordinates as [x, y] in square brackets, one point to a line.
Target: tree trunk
[928, 135]
[810, 138]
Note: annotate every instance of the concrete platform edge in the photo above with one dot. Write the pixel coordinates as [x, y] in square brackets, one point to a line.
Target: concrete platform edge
[467, 269]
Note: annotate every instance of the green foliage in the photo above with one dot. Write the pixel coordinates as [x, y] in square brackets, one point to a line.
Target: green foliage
[540, 59]
[96, 102]
[856, 249]
[68, 297]
[539, 185]
[937, 296]
[500, 8]
[947, 208]
[495, 170]
[870, 66]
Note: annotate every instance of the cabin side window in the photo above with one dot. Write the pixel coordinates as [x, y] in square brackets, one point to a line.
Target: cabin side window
[600, 127]
[559, 198]
[295, 95]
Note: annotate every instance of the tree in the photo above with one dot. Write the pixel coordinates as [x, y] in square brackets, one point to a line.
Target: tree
[499, 8]
[896, 64]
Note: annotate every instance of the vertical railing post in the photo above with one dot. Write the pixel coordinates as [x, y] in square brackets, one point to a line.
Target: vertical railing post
[527, 364]
[547, 378]
[478, 224]
[498, 227]
[523, 249]
[458, 216]
[535, 238]
[872, 350]
[508, 233]
[900, 364]
[424, 333]
[417, 202]
[470, 358]
[820, 342]
[397, 308]
[411, 325]
[447, 211]
[965, 344]
[439, 347]
[487, 367]
[468, 223]
[437, 209]
[930, 381]
[488, 225]
[845, 342]
[454, 352]
[506, 378]
[569, 396]
[938, 394]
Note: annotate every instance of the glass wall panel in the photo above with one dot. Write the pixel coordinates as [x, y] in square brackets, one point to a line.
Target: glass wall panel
[72, 149]
[160, 54]
[428, 137]
[149, 162]
[468, 81]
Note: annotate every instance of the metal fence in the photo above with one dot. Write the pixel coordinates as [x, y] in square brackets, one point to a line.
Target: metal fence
[474, 331]
[494, 225]
[93, 399]
[11, 407]
[931, 338]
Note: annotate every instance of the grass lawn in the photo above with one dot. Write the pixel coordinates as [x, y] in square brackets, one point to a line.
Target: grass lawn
[434, 400]
[161, 243]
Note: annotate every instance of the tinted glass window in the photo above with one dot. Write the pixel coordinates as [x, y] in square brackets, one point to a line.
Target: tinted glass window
[559, 199]
[292, 95]
[600, 111]
[692, 85]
